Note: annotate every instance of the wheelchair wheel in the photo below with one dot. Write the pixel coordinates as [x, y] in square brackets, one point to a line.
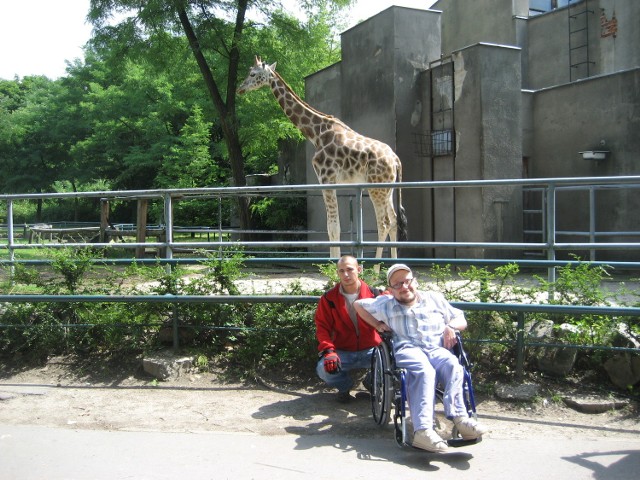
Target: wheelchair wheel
[381, 384]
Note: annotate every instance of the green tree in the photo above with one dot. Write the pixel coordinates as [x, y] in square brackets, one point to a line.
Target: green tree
[188, 163]
[215, 32]
[37, 131]
[40, 121]
[131, 127]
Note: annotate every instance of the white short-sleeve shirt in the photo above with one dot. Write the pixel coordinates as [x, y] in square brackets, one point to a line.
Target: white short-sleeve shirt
[421, 324]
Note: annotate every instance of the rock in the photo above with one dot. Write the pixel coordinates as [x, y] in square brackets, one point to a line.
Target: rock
[540, 330]
[557, 361]
[167, 366]
[567, 328]
[525, 392]
[621, 337]
[552, 360]
[623, 370]
[593, 404]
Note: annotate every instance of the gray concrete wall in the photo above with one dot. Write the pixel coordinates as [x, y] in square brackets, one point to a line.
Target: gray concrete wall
[528, 138]
[368, 52]
[548, 43]
[488, 127]
[510, 103]
[578, 117]
[621, 52]
[548, 51]
[466, 23]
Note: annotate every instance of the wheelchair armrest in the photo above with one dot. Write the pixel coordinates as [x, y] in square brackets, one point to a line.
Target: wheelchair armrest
[458, 351]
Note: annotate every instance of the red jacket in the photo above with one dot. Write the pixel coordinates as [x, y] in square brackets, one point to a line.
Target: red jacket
[334, 328]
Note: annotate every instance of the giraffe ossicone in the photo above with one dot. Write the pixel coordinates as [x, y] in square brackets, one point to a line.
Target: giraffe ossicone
[341, 156]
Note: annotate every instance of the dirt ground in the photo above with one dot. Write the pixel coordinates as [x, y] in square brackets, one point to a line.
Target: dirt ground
[69, 393]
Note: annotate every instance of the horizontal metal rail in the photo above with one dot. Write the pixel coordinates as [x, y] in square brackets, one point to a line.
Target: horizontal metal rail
[170, 298]
[417, 262]
[159, 298]
[521, 309]
[351, 244]
[550, 245]
[214, 192]
[230, 299]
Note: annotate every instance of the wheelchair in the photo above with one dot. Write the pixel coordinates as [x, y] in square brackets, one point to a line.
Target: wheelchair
[388, 391]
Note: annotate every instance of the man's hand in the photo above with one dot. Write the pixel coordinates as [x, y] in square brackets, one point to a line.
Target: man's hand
[382, 327]
[332, 362]
[449, 337]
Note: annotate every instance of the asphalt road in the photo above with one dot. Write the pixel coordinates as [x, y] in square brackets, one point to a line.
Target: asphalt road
[41, 453]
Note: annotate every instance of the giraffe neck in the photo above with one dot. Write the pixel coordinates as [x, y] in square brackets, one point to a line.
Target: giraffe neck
[306, 118]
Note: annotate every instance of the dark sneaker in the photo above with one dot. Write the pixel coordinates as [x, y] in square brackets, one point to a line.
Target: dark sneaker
[344, 397]
[366, 381]
[363, 396]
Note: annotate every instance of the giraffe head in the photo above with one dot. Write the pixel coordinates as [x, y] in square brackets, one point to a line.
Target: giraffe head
[259, 76]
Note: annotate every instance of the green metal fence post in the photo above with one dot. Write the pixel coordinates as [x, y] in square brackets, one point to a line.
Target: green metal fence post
[551, 236]
[176, 339]
[520, 347]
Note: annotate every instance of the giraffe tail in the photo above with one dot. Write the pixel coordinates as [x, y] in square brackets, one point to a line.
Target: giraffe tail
[401, 218]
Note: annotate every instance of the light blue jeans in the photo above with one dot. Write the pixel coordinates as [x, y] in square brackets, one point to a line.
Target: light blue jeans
[423, 367]
[350, 361]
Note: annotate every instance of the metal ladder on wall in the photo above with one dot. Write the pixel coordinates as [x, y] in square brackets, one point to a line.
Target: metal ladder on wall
[579, 62]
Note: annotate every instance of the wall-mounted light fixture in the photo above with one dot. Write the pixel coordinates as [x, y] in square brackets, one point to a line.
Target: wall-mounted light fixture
[601, 154]
[594, 154]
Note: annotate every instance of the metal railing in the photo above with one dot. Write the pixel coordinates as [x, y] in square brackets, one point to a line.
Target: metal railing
[550, 244]
[520, 343]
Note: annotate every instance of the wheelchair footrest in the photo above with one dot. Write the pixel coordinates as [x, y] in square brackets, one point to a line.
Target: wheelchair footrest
[461, 442]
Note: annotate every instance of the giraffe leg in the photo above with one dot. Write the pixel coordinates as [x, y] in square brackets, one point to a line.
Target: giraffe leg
[333, 220]
[393, 224]
[385, 217]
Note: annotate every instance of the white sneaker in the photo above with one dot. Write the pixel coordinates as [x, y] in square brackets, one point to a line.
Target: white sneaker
[468, 428]
[430, 441]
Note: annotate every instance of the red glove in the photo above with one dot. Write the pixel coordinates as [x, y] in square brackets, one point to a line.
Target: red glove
[331, 361]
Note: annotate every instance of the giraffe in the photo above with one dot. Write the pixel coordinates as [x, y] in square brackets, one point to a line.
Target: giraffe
[341, 156]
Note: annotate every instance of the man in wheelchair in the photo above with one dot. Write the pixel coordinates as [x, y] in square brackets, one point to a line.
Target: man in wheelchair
[424, 327]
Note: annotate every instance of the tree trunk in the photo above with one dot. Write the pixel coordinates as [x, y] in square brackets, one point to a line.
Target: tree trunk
[226, 110]
[76, 201]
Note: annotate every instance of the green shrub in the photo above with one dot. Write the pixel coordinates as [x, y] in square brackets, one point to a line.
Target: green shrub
[259, 336]
[281, 337]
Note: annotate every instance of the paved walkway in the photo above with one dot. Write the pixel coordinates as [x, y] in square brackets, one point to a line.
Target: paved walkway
[28, 452]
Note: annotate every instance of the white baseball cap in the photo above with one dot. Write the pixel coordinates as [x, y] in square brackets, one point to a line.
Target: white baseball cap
[394, 268]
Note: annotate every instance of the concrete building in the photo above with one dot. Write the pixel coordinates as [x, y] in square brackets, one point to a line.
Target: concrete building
[496, 89]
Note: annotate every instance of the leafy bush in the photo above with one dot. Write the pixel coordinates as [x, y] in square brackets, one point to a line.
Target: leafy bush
[280, 213]
[581, 284]
[253, 337]
[281, 337]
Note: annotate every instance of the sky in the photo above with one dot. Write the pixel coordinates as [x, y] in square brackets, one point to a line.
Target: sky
[37, 37]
